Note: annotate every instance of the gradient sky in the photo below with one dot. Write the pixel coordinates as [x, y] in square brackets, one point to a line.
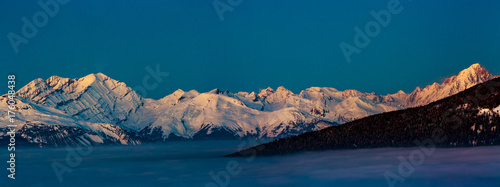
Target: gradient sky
[260, 43]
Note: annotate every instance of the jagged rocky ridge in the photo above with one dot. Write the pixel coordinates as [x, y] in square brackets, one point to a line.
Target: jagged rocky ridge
[107, 111]
[469, 118]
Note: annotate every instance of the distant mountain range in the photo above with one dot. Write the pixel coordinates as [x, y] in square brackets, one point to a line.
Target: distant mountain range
[469, 118]
[99, 110]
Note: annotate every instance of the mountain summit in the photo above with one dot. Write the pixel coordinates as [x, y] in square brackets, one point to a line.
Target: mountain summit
[467, 78]
[94, 98]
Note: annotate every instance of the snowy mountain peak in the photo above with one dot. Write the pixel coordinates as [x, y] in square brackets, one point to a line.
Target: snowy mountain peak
[477, 68]
[467, 78]
[217, 91]
[91, 78]
[351, 93]
[87, 80]
[214, 91]
[278, 96]
[101, 76]
[91, 98]
[57, 82]
[178, 92]
[178, 96]
[266, 92]
[474, 74]
[434, 86]
[283, 90]
[417, 89]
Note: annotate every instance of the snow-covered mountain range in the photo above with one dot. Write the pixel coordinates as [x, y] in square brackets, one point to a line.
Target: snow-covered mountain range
[97, 109]
[467, 119]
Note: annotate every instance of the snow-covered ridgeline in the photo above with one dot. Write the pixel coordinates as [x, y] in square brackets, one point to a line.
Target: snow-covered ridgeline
[109, 111]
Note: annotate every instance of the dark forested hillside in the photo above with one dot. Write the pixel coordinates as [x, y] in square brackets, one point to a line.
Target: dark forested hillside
[465, 119]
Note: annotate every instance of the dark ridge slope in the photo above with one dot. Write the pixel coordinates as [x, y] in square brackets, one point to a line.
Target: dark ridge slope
[450, 122]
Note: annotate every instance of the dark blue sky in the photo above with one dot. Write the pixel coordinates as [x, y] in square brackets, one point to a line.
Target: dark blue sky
[260, 43]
